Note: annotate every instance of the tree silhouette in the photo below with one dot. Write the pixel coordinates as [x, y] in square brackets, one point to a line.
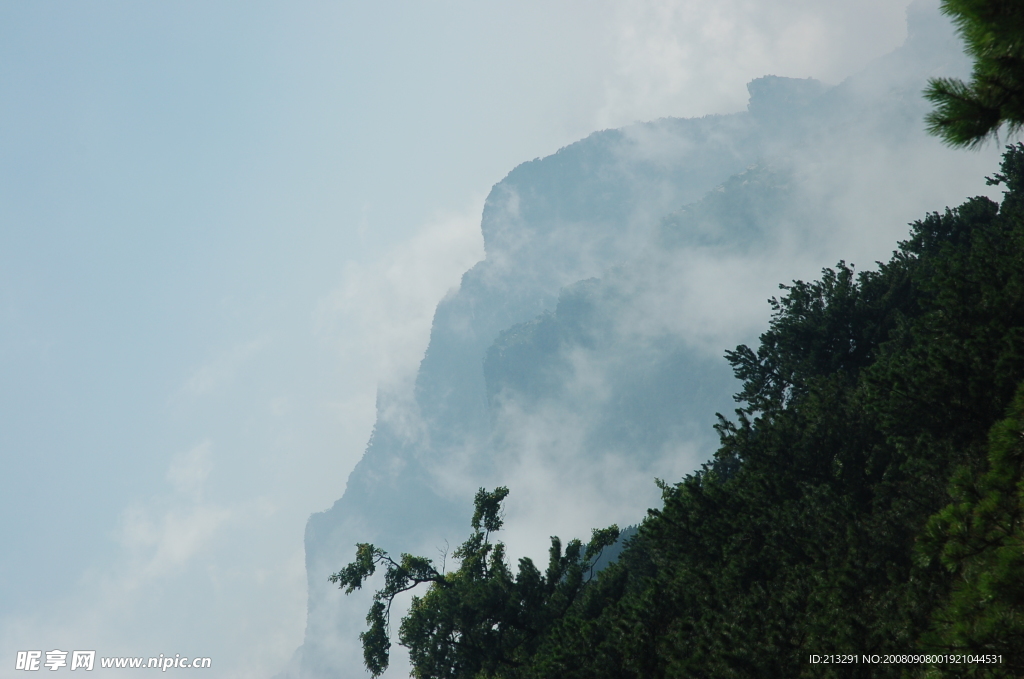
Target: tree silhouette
[479, 620]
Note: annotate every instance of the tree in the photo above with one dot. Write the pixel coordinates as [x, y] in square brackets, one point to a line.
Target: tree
[479, 621]
[967, 114]
[980, 538]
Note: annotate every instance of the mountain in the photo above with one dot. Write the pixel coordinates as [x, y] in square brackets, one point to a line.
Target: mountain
[582, 357]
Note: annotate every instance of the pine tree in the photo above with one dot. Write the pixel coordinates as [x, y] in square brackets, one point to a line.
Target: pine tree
[968, 113]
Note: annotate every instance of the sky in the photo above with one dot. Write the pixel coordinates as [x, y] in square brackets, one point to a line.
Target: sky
[224, 224]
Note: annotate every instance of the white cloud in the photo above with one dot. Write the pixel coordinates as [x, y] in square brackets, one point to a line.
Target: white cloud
[692, 58]
[167, 541]
[378, 318]
[161, 535]
[174, 553]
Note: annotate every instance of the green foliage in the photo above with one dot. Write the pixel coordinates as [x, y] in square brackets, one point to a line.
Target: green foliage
[866, 394]
[966, 114]
[488, 506]
[979, 537]
[479, 621]
[400, 576]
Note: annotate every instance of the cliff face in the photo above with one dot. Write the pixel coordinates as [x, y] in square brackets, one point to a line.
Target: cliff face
[549, 223]
[582, 355]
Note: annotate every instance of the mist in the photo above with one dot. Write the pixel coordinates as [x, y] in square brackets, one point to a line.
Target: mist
[239, 243]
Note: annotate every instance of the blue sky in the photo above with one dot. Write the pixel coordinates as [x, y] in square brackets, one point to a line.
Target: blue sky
[223, 224]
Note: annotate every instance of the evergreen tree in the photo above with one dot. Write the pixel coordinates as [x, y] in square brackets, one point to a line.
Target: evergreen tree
[979, 537]
[966, 114]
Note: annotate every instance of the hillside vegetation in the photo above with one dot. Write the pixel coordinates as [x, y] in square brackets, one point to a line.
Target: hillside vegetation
[865, 500]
